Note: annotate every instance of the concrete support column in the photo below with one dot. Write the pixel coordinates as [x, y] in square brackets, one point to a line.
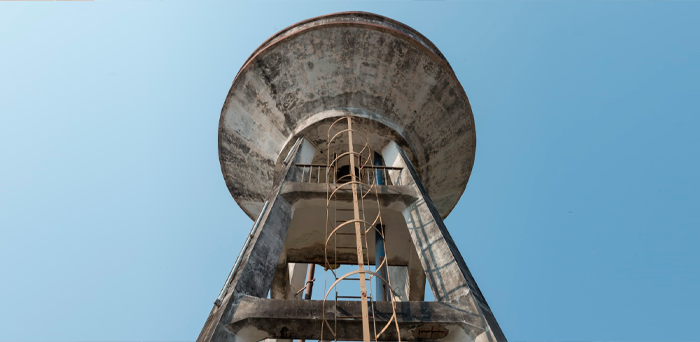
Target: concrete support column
[259, 261]
[416, 278]
[416, 274]
[297, 280]
[280, 282]
[288, 280]
[446, 271]
[398, 276]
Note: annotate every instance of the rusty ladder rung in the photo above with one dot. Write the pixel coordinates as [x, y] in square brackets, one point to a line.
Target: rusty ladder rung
[356, 297]
[354, 317]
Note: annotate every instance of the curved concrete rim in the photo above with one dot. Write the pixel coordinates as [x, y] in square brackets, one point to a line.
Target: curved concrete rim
[279, 34]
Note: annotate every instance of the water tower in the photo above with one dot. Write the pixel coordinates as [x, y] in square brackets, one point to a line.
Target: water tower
[347, 139]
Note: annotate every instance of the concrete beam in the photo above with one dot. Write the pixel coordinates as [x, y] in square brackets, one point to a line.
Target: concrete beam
[396, 197]
[257, 319]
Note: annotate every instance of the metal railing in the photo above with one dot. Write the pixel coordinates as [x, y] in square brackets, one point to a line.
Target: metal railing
[319, 173]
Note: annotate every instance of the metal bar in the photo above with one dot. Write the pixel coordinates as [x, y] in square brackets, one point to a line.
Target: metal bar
[378, 179]
[310, 281]
[292, 149]
[357, 297]
[358, 239]
[377, 167]
[355, 317]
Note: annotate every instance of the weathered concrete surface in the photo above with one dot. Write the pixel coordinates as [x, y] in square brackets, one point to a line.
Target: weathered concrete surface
[258, 318]
[400, 284]
[366, 64]
[308, 231]
[289, 278]
[446, 271]
[416, 277]
[307, 235]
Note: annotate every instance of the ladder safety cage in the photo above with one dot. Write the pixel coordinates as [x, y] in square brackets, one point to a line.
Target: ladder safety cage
[361, 181]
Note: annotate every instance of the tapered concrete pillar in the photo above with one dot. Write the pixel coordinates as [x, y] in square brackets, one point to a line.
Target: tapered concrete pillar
[253, 273]
[446, 271]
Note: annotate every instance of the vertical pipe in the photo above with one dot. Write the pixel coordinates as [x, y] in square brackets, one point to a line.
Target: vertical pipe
[379, 252]
[378, 175]
[379, 256]
[335, 167]
[309, 281]
[309, 284]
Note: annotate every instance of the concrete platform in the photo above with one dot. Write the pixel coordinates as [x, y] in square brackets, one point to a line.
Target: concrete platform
[258, 318]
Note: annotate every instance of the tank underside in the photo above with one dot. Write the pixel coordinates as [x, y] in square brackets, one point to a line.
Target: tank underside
[356, 64]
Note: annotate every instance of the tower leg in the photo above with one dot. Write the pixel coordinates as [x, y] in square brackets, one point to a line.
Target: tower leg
[258, 263]
[446, 271]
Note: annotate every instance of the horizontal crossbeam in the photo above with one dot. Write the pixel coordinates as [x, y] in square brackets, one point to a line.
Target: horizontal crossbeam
[256, 319]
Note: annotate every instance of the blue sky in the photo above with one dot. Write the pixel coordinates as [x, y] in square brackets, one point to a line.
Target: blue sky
[580, 221]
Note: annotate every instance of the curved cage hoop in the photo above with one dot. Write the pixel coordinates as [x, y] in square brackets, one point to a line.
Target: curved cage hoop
[358, 162]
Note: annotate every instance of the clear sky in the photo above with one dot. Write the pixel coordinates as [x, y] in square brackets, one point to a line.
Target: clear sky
[580, 221]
